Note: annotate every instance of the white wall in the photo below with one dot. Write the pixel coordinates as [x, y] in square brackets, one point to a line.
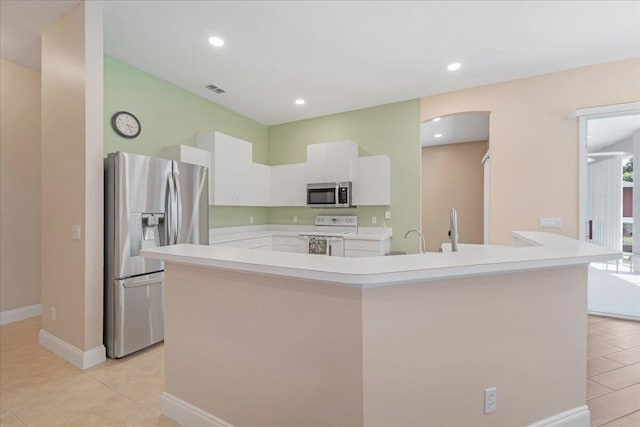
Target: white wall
[534, 139]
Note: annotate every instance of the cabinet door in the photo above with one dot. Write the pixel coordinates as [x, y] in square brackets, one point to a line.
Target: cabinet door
[372, 185]
[297, 184]
[205, 141]
[317, 163]
[194, 156]
[341, 156]
[278, 193]
[243, 173]
[260, 185]
[224, 170]
[288, 185]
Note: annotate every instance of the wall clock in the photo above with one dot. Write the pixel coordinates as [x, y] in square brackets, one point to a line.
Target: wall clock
[126, 124]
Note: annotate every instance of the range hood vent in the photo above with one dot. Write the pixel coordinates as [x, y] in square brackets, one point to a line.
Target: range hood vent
[216, 89]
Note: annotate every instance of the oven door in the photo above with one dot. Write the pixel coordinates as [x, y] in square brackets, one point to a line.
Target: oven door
[322, 195]
[318, 245]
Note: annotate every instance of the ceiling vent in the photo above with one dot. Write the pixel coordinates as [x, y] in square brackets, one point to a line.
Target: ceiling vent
[215, 89]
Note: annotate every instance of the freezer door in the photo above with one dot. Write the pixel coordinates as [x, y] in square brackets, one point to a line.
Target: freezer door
[192, 203]
[136, 210]
[135, 314]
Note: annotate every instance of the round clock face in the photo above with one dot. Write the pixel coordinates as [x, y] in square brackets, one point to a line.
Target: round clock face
[126, 124]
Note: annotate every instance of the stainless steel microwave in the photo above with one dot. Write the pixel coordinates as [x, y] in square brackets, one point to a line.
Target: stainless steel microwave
[329, 195]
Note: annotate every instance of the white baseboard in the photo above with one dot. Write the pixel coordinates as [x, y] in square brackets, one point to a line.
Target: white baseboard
[10, 316]
[615, 316]
[576, 417]
[186, 414]
[72, 354]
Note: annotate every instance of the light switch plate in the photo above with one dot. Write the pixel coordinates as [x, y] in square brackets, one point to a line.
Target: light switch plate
[387, 215]
[75, 232]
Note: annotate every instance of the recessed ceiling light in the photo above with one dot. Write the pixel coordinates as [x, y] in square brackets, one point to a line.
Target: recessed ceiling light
[438, 135]
[299, 101]
[437, 119]
[216, 41]
[455, 66]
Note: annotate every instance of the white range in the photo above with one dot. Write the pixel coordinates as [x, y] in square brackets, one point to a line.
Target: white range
[327, 238]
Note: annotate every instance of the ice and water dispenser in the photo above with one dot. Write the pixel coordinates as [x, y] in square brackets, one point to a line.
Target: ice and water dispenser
[147, 231]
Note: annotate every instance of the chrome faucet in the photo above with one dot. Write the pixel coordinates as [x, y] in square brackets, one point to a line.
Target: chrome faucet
[423, 244]
[453, 230]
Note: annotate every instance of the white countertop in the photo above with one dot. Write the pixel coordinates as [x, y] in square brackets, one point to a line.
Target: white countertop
[545, 250]
[228, 234]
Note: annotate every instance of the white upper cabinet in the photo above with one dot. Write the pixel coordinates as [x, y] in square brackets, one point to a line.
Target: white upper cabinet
[287, 186]
[230, 180]
[372, 185]
[331, 161]
[261, 179]
[188, 154]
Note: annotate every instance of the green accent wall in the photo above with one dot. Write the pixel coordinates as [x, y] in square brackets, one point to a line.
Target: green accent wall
[391, 129]
[171, 115]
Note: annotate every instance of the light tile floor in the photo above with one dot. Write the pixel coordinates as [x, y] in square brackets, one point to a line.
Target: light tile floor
[38, 388]
[613, 372]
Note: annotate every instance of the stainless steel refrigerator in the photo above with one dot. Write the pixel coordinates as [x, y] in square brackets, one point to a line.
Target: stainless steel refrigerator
[149, 202]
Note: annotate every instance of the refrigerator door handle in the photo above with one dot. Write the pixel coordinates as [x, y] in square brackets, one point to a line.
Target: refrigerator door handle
[137, 283]
[178, 205]
[171, 220]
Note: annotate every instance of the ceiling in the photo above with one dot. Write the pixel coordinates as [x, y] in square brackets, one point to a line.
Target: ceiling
[22, 23]
[346, 55]
[455, 128]
[609, 130]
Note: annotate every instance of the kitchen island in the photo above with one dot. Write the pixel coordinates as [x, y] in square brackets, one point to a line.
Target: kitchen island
[259, 338]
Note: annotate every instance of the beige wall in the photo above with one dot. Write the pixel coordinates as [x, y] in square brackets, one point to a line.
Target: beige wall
[431, 349]
[263, 351]
[72, 178]
[272, 351]
[534, 142]
[452, 177]
[19, 186]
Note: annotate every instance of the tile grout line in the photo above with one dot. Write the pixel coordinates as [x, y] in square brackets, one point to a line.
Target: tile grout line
[623, 388]
[609, 422]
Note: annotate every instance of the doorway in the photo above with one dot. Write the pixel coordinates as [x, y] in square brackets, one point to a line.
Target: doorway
[454, 174]
[610, 209]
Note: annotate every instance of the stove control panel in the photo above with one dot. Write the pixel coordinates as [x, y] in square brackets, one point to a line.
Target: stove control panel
[337, 220]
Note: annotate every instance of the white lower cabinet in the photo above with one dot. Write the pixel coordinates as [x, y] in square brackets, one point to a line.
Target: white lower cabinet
[353, 248]
[262, 242]
[288, 243]
[356, 248]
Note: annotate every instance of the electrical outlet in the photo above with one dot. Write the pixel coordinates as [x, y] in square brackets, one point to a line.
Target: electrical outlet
[490, 395]
[75, 231]
[53, 314]
[387, 215]
[250, 220]
[295, 219]
[374, 220]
